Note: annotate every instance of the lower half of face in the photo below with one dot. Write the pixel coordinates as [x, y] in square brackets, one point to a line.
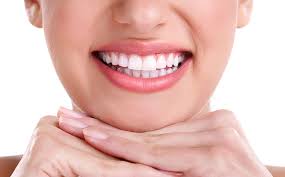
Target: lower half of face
[140, 65]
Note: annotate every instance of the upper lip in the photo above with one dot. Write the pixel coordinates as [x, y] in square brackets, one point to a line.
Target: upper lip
[141, 48]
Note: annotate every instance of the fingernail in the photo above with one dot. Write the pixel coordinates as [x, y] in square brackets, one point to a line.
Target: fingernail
[71, 113]
[72, 122]
[95, 134]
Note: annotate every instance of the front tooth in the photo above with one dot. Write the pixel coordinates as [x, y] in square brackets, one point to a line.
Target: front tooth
[136, 73]
[145, 74]
[180, 58]
[149, 63]
[115, 59]
[154, 74]
[135, 62]
[176, 60]
[107, 58]
[162, 72]
[170, 60]
[161, 62]
[103, 56]
[123, 60]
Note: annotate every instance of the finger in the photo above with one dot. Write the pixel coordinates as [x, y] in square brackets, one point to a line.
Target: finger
[48, 126]
[195, 139]
[85, 165]
[71, 126]
[156, 156]
[81, 117]
[74, 126]
[209, 121]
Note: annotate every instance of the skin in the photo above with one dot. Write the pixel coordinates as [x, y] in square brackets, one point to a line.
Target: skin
[73, 28]
[211, 145]
[50, 156]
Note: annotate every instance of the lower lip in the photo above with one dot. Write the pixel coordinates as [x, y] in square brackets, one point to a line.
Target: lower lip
[143, 85]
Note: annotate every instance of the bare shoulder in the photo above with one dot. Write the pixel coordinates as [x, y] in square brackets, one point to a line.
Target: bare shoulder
[8, 165]
[277, 171]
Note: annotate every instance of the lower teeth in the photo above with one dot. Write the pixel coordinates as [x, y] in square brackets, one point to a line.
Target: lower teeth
[144, 74]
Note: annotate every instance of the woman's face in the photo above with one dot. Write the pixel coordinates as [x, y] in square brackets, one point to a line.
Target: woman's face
[77, 31]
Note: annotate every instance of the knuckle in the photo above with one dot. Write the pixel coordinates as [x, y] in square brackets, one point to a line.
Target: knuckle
[216, 152]
[226, 118]
[106, 168]
[224, 112]
[47, 120]
[150, 139]
[228, 136]
[130, 169]
[149, 155]
[43, 140]
[155, 152]
[42, 147]
[102, 168]
[227, 112]
[41, 133]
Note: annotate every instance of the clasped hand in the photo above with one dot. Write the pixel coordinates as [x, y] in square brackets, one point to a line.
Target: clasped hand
[73, 144]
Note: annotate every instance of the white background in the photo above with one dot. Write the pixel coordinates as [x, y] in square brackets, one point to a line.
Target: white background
[253, 85]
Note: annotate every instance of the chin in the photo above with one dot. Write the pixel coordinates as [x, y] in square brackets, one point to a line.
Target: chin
[139, 123]
[140, 120]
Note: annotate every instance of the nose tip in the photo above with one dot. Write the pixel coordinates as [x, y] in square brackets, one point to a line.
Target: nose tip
[142, 16]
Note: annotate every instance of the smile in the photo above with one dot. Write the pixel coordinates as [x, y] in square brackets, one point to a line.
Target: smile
[142, 67]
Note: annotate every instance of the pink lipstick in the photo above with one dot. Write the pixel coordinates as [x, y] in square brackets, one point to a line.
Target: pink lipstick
[141, 66]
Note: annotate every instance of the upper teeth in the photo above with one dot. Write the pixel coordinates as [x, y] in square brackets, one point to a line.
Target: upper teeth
[144, 63]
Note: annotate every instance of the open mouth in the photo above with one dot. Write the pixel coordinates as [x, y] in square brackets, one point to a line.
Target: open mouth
[142, 66]
[138, 66]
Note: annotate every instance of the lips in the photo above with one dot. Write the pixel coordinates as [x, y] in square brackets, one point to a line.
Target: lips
[142, 67]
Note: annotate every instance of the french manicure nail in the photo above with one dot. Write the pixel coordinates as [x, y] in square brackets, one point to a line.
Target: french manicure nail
[96, 134]
[71, 113]
[72, 122]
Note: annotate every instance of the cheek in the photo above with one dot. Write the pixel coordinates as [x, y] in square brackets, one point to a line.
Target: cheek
[68, 34]
[71, 26]
[66, 27]
[213, 24]
[216, 25]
